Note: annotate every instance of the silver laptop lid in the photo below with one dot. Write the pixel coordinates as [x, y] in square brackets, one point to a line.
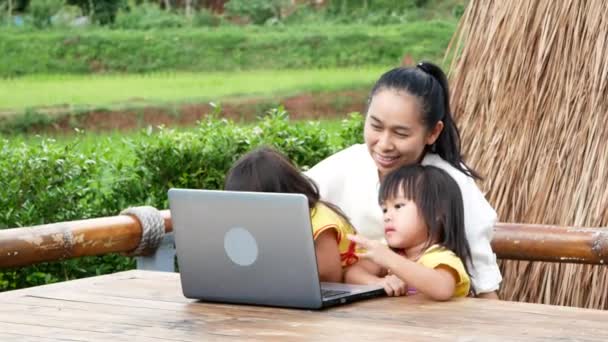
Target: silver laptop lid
[245, 247]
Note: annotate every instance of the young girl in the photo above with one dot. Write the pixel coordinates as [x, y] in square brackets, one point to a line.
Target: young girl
[267, 170]
[409, 121]
[424, 228]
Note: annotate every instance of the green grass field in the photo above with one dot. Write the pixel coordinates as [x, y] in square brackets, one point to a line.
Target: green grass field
[115, 90]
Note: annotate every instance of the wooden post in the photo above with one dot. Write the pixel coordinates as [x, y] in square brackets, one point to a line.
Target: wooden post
[59, 241]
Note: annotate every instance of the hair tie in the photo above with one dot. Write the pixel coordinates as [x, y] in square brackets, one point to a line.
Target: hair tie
[422, 67]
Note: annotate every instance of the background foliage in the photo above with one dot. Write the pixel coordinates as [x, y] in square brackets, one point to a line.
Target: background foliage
[51, 181]
[228, 48]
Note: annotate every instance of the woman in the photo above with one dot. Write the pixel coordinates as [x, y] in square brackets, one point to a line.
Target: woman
[409, 121]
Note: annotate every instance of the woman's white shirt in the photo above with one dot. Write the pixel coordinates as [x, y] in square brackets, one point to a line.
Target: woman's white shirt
[349, 179]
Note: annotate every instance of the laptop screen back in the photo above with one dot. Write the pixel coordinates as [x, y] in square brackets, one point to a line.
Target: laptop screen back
[245, 247]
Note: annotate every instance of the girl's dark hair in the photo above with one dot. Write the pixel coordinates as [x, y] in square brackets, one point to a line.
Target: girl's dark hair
[439, 202]
[429, 85]
[267, 170]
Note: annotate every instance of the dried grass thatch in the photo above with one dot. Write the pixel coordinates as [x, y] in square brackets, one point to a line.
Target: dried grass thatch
[530, 93]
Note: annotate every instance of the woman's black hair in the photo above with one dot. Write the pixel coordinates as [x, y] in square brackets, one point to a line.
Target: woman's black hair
[428, 83]
[439, 202]
[267, 170]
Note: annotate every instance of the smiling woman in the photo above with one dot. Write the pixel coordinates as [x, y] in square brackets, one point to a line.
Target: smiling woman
[393, 132]
[409, 121]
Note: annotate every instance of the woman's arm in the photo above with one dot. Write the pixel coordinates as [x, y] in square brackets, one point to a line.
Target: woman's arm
[480, 219]
[328, 257]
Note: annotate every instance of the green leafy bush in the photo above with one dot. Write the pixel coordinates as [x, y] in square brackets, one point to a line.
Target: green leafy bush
[352, 130]
[223, 48]
[48, 181]
[22, 123]
[258, 11]
[149, 16]
[205, 18]
[458, 10]
[101, 11]
[45, 183]
[42, 10]
[201, 158]
[350, 7]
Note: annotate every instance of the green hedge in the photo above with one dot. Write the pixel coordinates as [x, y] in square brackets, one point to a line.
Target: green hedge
[225, 48]
[49, 181]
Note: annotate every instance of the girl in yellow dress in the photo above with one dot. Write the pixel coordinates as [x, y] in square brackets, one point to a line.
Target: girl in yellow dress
[424, 229]
[267, 170]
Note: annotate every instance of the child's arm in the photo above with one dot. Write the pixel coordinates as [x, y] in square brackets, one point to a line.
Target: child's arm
[328, 257]
[366, 272]
[437, 283]
[363, 272]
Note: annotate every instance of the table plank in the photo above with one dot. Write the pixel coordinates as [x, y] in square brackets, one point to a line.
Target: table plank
[149, 306]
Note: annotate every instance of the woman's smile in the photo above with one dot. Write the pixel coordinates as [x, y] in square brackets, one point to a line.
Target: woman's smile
[384, 160]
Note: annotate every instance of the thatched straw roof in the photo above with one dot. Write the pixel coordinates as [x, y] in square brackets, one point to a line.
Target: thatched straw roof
[530, 93]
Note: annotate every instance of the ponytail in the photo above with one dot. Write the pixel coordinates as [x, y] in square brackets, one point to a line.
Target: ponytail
[429, 84]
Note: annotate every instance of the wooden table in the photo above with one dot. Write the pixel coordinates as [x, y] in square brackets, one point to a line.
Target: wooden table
[149, 306]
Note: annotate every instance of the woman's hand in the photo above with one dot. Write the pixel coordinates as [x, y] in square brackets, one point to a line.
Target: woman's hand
[376, 251]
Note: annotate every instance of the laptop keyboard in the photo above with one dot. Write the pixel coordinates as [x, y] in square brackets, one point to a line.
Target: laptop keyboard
[332, 293]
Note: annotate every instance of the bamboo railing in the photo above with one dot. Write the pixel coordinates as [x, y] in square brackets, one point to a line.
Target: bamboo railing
[29, 245]
[58, 241]
[536, 242]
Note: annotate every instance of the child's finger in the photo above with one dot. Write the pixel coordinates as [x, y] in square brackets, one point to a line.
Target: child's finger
[362, 255]
[388, 289]
[359, 240]
[398, 286]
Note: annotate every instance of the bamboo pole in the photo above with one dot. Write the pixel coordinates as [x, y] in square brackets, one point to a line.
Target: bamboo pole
[535, 242]
[120, 234]
[58, 241]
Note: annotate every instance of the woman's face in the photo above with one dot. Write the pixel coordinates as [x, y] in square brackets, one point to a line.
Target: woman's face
[395, 133]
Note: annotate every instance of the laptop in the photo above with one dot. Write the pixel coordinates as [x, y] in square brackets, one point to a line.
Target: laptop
[252, 248]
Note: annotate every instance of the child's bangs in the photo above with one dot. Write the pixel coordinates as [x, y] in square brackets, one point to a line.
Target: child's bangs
[401, 182]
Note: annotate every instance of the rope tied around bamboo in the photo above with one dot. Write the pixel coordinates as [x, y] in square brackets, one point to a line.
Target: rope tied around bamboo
[152, 229]
[25, 246]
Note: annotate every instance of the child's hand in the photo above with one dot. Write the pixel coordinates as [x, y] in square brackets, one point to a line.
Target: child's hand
[380, 254]
[393, 285]
[376, 251]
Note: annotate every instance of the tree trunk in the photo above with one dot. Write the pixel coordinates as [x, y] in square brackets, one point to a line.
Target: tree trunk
[188, 8]
[91, 10]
